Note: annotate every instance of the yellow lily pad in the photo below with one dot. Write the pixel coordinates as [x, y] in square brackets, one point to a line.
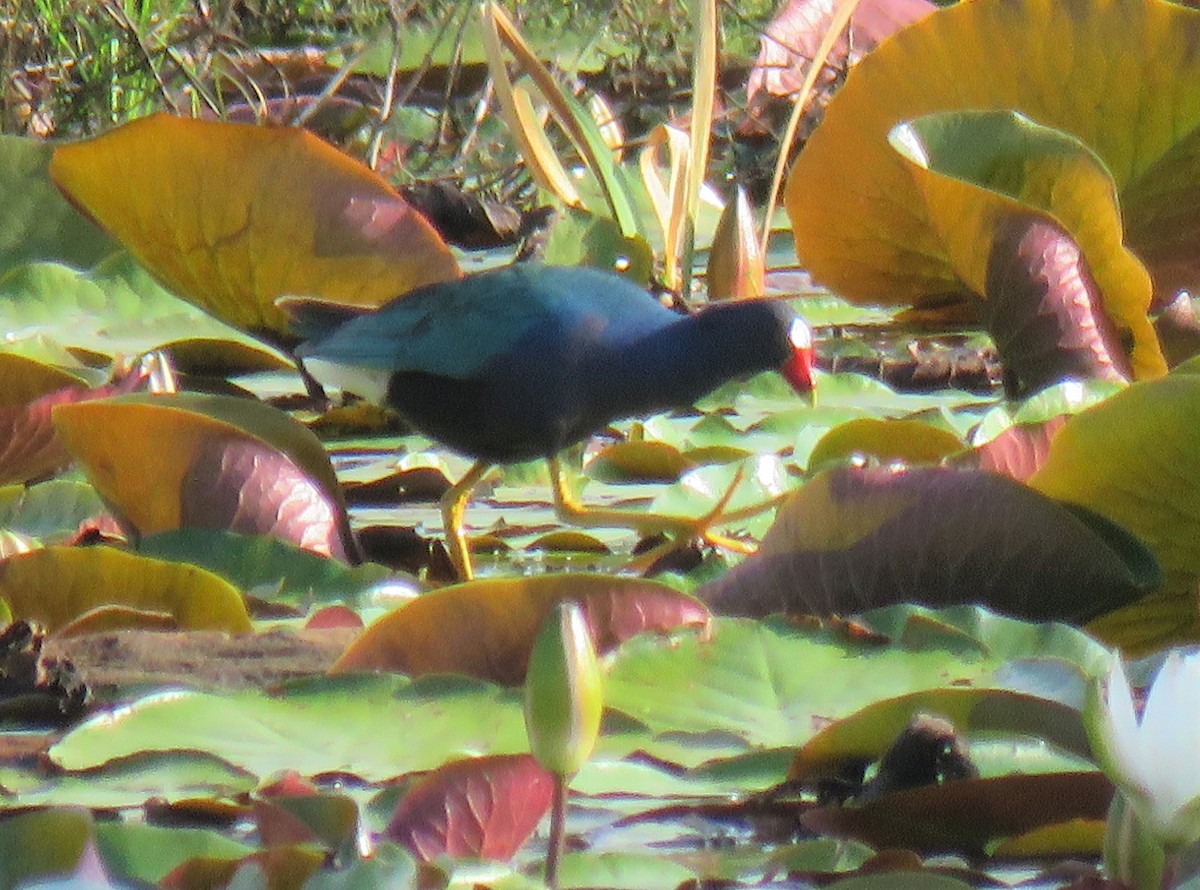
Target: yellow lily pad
[217, 461]
[1135, 458]
[1120, 76]
[57, 585]
[888, 441]
[24, 379]
[486, 628]
[232, 216]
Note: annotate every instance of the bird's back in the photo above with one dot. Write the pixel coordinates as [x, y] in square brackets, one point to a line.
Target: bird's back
[461, 328]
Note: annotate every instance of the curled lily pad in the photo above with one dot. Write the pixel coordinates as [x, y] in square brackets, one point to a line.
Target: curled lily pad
[211, 461]
[1027, 217]
[1133, 458]
[232, 216]
[1126, 89]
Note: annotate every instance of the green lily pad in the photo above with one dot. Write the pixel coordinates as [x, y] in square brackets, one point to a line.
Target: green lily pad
[344, 724]
[260, 562]
[38, 222]
[767, 683]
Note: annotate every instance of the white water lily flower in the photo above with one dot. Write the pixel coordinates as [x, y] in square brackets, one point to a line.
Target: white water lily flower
[1155, 760]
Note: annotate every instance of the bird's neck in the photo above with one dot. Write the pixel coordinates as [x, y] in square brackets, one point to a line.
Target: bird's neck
[676, 365]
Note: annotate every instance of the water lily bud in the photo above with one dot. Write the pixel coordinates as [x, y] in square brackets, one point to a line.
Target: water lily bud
[736, 268]
[1152, 760]
[563, 696]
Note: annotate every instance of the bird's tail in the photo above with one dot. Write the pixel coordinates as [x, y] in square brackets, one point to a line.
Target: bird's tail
[313, 318]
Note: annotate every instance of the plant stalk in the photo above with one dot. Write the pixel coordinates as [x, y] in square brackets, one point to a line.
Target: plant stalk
[1170, 870]
[558, 829]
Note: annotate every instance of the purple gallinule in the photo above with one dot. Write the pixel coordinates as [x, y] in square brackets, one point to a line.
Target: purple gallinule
[521, 362]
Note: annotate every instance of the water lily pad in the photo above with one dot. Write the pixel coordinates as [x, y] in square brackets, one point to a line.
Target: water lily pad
[885, 441]
[335, 725]
[1028, 218]
[857, 538]
[1124, 90]
[966, 815]
[1133, 458]
[131, 782]
[486, 807]
[113, 307]
[55, 585]
[49, 510]
[38, 223]
[232, 216]
[486, 627]
[767, 683]
[213, 461]
[262, 563]
[24, 853]
[867, 734]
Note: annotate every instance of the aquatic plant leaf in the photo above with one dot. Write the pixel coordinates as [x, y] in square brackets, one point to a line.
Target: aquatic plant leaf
[853, 539]
[231, 216]
[1027, 218]
[211, 461]
[55, 585]
[885, 441]
[486, 627]
[966, 815]
[1133, 458]
[1125, 89]
[485, 807]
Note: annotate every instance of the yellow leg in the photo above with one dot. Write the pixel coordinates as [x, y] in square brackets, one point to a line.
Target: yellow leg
[454, 508]
[680, 528]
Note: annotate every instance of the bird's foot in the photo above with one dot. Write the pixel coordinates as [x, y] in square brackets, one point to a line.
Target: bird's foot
[679, 530]
[682, 530]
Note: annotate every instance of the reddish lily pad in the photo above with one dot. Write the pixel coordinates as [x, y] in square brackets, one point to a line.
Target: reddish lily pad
[211, 461]
[1018, 451]
[485, 807]
[791, 39]
[965, 816]
[232, 216]
[30, 448]
[853, 539]
[486, 628]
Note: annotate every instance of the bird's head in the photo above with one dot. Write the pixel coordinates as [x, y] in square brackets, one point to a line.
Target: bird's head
[797, 367]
